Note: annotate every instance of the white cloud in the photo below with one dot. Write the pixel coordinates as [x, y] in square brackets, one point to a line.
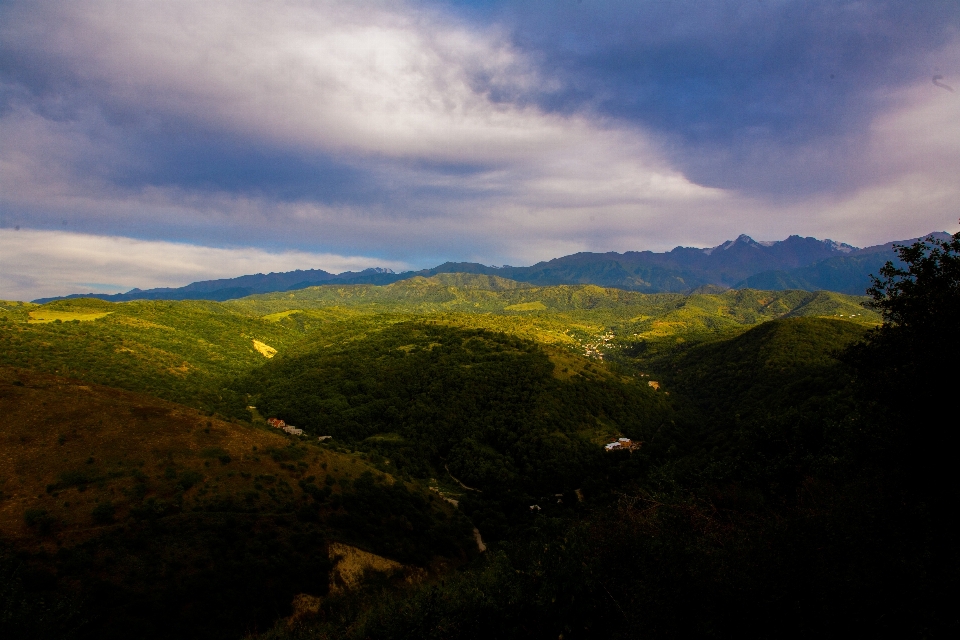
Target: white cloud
[359, 77]
[35, 264]
[395, 91]
[380, 85]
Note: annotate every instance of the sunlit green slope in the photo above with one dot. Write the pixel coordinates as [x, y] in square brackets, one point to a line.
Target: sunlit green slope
[576, 316]
[181, 351]
[191, 351]
[490, 294]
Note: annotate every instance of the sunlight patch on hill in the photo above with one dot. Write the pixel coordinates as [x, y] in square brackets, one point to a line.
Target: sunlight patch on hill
[280, 315]
[526, 306]
[351, 565]
[265, 349]
[65, 316]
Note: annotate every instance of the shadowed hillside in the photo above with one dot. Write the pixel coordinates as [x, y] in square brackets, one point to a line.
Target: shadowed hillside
[144, 515]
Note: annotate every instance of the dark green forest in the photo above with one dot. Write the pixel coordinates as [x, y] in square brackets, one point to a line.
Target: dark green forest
[789, 493]
[792, 475]
[484, 407]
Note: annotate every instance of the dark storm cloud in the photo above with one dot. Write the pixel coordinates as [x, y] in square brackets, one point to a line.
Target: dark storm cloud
[769, 97]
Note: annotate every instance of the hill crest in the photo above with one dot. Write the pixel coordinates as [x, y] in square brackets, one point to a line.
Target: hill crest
[739, 263]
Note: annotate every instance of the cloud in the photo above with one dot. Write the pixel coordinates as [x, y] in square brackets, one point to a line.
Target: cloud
[364, 78]
[331, 126]
[37, 264]
[767, 98]
[421, 132]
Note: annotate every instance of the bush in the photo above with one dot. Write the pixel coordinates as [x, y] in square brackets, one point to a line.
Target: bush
[103, 513]
[189, 479]
[39, 520]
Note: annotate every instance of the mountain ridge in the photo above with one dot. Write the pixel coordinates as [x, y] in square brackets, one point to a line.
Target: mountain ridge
[739, 263]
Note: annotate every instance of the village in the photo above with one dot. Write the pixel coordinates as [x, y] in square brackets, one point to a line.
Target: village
[621, 444]
[277, 423]
[594, 350]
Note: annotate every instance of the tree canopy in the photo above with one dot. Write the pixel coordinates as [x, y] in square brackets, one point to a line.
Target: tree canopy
[907, 366]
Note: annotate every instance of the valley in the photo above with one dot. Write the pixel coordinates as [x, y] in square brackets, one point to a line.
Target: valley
[453, 469]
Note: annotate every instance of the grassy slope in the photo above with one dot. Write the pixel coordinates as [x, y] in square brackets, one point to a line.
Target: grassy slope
[152, 509]
[182, 351]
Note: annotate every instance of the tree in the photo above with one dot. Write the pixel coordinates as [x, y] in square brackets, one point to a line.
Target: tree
[908, 367]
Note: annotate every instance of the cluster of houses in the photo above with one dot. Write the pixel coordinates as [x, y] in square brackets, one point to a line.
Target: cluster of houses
[593, 350]
[622, 443]
[276, 423]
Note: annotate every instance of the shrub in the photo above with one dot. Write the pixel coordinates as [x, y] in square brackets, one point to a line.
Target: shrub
[104, 512]
[39, 520]
[189, 479]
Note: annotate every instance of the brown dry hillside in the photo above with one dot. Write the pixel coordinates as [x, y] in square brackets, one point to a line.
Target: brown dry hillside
[69, 447]
[162, 508]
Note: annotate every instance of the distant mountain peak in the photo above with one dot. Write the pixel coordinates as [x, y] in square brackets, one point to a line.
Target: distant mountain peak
[842, 247]
[741, 239]
[745, 240]
[770, 264]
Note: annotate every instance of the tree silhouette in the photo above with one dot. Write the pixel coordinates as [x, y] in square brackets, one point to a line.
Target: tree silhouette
[907, 367]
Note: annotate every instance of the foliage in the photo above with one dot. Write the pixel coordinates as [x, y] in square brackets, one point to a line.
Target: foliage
[185, 351]
[906, 368]
[778, 490]
[191, 352]
[483, 406]
[768, 403]
[154, 533]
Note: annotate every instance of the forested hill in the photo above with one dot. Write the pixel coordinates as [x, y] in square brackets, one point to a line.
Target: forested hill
[795, 263]
[487, 459]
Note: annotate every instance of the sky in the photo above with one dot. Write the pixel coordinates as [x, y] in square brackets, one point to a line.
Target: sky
[147, 144]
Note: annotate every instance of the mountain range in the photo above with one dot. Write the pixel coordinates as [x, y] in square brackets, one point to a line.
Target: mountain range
[797, 262]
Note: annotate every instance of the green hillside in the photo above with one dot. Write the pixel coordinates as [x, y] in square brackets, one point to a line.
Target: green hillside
[452, 402]
[466, 293]
[492, 411]
[127, 515]
[191, 351]
[181, 351]
[768, 400]
[746, 505]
